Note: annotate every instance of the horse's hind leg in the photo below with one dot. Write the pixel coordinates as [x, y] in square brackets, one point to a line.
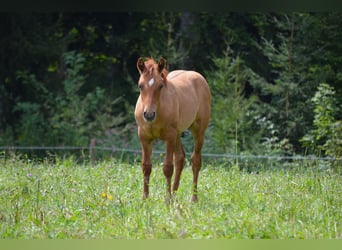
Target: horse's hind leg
[196, 157]
[179, 156]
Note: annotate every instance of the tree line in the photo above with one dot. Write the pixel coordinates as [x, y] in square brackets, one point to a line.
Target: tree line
[276, 82]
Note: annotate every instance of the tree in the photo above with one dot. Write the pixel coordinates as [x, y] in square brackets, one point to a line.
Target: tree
[28, 41]
[232, 126]
[69, 117]
[279, 57]
[286, 86]
[326, 136]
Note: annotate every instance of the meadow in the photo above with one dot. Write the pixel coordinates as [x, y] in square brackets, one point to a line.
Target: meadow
[61, 198]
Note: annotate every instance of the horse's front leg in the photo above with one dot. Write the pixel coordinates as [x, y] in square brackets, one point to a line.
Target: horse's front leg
[146, 165]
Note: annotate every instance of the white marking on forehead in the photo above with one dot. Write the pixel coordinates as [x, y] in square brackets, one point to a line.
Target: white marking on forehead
[151, 82]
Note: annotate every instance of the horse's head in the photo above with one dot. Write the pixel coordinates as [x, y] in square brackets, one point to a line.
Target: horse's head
[151, 82]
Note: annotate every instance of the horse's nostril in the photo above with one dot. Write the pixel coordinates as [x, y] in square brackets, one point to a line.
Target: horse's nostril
[149, 116]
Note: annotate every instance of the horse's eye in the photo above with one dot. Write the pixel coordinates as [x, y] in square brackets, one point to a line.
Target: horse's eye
[141, 87]
[161, 86]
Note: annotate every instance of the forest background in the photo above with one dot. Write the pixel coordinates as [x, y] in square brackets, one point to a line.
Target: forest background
[70, 79]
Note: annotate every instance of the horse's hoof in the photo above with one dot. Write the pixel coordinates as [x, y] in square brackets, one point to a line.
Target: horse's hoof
[168, 200]
[194, 199]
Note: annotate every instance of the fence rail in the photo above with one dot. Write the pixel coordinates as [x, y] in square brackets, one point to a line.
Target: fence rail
[138, 151]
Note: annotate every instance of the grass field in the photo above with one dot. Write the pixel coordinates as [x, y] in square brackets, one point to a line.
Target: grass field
[63, 199]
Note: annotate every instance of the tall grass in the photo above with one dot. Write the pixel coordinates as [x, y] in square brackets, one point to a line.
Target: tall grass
[66, 199]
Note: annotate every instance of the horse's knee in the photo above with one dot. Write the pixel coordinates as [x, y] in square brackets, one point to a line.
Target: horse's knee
[196, 160]
[168, 170]
[146, 168]
[179, 159]
[179, 155]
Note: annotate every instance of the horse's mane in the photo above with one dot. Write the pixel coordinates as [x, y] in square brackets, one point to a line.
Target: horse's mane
[151, 63]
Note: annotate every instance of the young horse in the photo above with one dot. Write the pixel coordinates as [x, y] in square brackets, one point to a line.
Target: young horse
[170, 103]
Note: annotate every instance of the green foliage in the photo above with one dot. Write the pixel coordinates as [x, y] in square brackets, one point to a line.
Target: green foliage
[169, 43]
[60, 199]
[285, 89]
[68, 117]
[326, 136]
[46, 97]
[31, 124]
[78, 118]
[232, 126]
[271, 143]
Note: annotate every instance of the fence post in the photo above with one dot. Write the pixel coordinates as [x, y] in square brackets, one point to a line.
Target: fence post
[92, 151]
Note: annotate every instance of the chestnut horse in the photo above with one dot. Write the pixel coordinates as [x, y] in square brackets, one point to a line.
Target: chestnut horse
[170, 103]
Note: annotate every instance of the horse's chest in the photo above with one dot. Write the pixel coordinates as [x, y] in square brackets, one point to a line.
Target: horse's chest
[154, 131]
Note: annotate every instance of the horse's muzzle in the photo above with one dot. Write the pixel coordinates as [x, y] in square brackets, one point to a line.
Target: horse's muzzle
[149, 116]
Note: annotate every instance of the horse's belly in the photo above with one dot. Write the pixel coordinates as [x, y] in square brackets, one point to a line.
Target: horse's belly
[187, 113]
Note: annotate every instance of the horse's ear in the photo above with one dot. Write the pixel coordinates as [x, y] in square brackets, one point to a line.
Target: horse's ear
[141, 65]
[161, 64]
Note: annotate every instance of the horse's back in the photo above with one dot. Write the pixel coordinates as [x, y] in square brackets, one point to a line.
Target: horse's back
[191, 80]
[188, 79]
[192, 90]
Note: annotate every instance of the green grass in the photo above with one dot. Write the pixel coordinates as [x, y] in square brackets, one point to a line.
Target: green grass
[64, 199]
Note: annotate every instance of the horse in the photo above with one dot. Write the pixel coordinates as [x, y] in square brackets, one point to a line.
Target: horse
[169, 104]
